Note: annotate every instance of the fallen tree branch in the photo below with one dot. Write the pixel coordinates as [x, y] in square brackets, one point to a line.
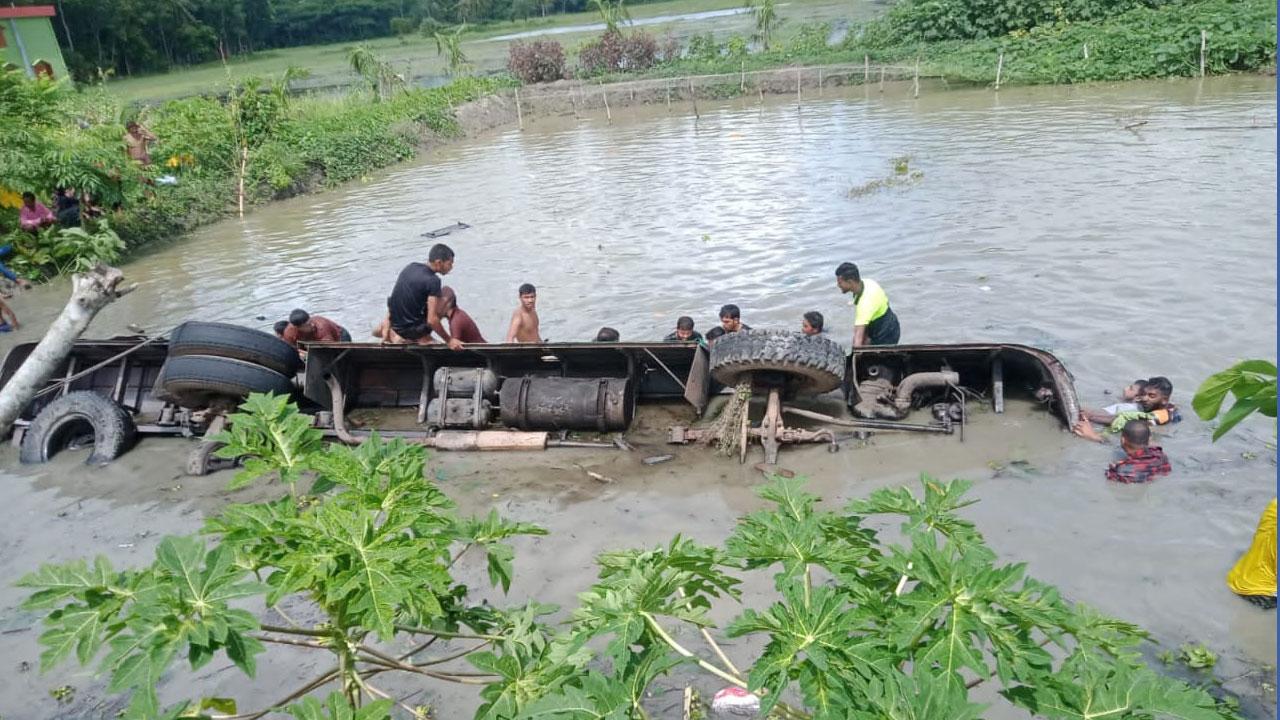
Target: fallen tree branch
[90, 292]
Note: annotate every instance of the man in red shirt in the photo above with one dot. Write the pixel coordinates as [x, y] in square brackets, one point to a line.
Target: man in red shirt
[313, 328]
[461, 325]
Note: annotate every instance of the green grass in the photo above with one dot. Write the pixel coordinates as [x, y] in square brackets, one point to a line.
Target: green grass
[416, 56]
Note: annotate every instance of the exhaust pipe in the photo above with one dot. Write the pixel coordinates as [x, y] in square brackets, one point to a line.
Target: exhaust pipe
[911, 383]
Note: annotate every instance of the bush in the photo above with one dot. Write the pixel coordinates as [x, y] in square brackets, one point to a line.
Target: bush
[930, 20]
[401, 26]
[811, 39]
[616, 52]
[703, 47]
[536, 62]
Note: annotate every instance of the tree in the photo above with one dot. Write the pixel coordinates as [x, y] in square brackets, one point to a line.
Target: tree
[382, 78]
[449, 44]
[613, 12]
[765, 13]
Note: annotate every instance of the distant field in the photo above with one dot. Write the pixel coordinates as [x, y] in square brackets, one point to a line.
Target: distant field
[415, 56]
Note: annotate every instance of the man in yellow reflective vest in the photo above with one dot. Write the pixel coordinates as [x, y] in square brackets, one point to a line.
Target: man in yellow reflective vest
[874, 322]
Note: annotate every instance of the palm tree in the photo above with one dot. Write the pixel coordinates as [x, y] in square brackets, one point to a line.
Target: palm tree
[613, 13]
[450, 44]
[379, 74]
[765, 13]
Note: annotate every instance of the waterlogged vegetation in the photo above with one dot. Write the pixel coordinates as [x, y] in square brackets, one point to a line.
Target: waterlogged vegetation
[252, 143]
[856, 626]
[1041, 41]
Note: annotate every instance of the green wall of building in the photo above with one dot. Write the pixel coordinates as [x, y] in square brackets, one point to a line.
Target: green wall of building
[37, 38]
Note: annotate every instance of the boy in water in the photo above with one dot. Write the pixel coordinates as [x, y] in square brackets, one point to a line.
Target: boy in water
[684, 331]
[1143, 462]
[524, 321]
[811, 323]
[730, 322]
[608, 334]
[1152, 399]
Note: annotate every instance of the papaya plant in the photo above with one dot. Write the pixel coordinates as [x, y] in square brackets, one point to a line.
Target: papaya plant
[1253, 385]
[854, 627]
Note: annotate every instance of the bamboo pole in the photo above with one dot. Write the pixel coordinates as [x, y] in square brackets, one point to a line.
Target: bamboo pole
[819, 82]
[519, 111]
[1204, 46]
[573, 99]
[881, 78]
[999, 70]
[866, 69]
[742, 78]
[916, 81]
[797, 88]
[693, 94]
[668, 98]
[607, 113]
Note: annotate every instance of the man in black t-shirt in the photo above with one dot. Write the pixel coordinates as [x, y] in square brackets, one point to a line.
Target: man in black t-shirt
[730, 322]
[414, 304]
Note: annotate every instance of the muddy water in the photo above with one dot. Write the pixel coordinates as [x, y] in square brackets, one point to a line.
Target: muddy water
[1039, 219]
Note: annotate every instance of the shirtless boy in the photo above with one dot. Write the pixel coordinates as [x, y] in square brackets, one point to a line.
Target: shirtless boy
[524, 321]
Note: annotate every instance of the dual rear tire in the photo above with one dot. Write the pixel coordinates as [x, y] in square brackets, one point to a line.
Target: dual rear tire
[209, 364]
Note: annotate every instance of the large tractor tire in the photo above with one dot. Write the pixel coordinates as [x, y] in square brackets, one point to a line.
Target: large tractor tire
[807, 364]
[76, 417]
[235, 342]
[196, 381]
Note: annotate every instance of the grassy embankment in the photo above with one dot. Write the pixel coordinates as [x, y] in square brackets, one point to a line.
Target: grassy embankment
[416, 56]
[1141, 43]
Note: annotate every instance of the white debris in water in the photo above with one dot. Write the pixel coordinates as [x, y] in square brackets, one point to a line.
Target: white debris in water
[985, 288]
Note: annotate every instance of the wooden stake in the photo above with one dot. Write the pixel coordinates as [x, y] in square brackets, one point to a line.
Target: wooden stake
[519, 112]
[760, 89]
[693, 94]
[866, 69]
[797, 88]
[999, 70]
[607, 113]
[1204, 47]
[668, 98]
[742, 78]
[881, 78]
[574, 100]
[917, 77]
[819, 82]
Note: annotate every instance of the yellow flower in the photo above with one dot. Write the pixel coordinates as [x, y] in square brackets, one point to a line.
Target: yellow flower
[10, 198]
[172, 161]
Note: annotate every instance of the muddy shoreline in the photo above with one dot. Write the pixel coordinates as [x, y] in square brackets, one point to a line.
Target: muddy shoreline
[61, 513]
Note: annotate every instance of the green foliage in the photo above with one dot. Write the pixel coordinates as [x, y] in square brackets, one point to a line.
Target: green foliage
[1251, 382]
[765, 15]
[335, 707]
[275, 437]
[1198, 657]
[146, 619]
[50, 137]
[377, 73]
[449, 44]
[57, 251]
[859, 628]
[1143, 42]
[932, 20]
